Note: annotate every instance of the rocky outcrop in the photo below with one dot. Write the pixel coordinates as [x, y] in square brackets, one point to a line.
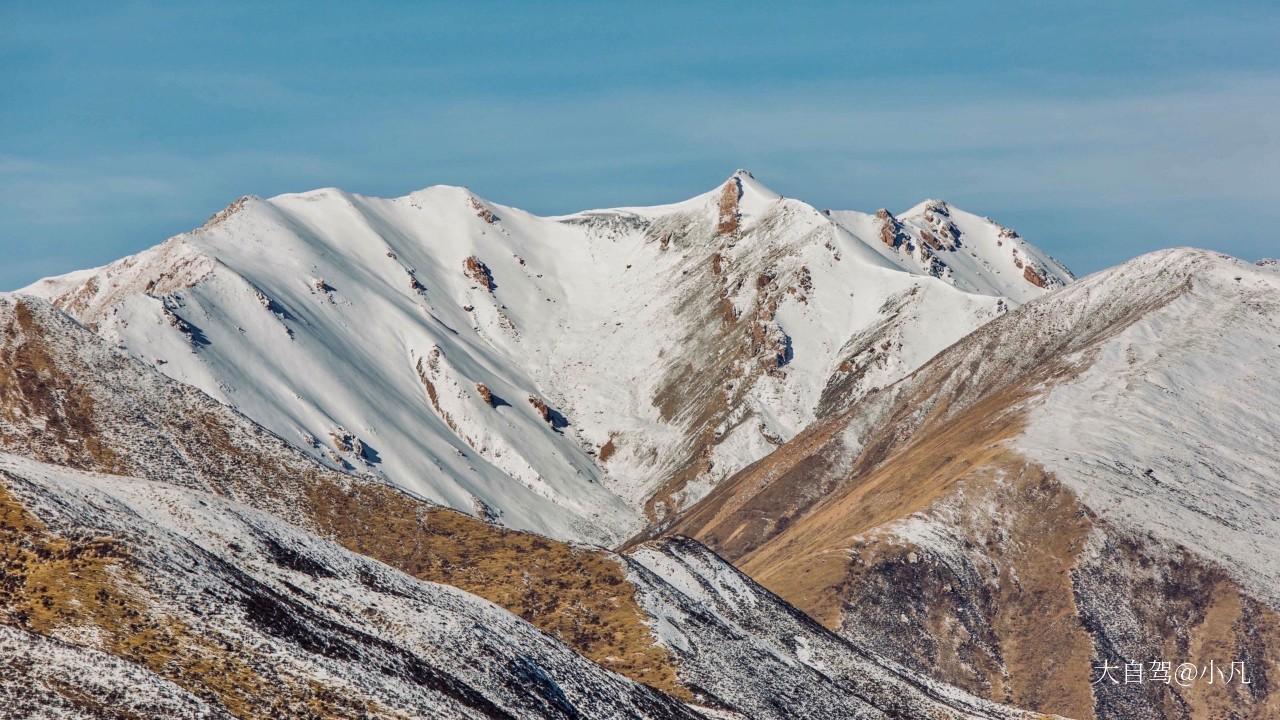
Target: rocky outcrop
[1033, 276]
[549, 415]
[478, 273]
[892, 233]
[608, 448]
[227, 212]
[483, 211]
[943, 234]
[729, 214]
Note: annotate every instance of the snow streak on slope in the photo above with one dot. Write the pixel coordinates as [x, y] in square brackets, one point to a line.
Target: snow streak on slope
[253, 616]
[565, 375]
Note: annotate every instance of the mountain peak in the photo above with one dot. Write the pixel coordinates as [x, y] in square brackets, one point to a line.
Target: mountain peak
[452, 293]
[751, 187]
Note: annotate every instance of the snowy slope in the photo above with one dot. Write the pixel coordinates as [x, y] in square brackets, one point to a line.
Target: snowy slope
[1091, 477]
[568, 375]
[66, 397]
[971, 252]
[200, 607]
[1174, 428]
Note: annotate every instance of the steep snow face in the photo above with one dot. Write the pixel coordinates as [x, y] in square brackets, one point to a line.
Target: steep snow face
[195, 604]
[577, 376]
[971, 252]
[1173, 428]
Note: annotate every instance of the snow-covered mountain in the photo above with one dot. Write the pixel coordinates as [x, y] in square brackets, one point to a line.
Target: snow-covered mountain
[1091, 478]
[234, 575]
[580, 376]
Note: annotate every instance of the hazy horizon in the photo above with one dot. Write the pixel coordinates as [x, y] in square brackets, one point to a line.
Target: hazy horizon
[1098, 132]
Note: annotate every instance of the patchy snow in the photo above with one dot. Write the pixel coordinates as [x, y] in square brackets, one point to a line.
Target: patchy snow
[298, 609]
[748, 651]
[1172, 430]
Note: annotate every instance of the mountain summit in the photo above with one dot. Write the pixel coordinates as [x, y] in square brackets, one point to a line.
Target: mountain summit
[582, 376]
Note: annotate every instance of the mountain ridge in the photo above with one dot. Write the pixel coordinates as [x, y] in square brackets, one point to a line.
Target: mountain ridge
[375, 334]
[989, 487]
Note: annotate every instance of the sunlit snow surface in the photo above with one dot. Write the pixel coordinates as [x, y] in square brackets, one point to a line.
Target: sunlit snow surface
[323, 315]
[1172, 429]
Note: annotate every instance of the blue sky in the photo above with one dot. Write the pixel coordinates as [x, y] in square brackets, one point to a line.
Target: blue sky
[1098, 130]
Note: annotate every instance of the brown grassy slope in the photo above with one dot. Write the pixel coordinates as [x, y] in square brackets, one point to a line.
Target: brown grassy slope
[52, 583]
[970, 394]
[580, 595]
[33, 386]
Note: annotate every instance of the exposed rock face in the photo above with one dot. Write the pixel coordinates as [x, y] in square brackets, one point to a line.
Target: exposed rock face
[941, 523]
[543, 410]
[478, 272]
[730, 194]
[230, 210]
[942, 231]
[483, 211]
[891, 233]
[1033, 276]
